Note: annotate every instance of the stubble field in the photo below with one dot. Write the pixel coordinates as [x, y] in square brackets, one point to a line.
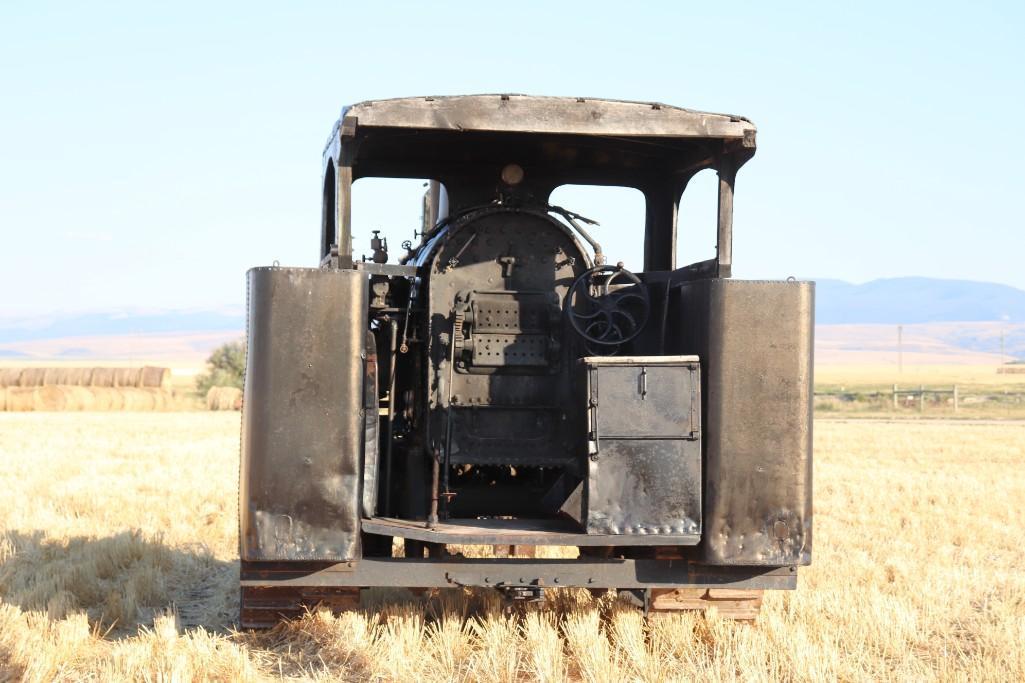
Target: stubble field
[118, 560]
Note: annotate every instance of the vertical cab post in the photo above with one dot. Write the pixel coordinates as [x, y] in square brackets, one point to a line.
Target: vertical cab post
[724, 241]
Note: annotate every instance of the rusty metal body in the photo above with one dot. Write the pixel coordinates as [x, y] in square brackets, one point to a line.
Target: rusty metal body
[501, 386]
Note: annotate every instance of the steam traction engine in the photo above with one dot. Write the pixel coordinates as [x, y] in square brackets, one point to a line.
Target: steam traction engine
[505, 385]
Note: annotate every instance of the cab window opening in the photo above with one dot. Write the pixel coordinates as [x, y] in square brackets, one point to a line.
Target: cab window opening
[697, 219]
[620, 212]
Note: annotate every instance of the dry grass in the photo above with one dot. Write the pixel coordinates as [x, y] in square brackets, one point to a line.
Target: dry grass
[118, 561]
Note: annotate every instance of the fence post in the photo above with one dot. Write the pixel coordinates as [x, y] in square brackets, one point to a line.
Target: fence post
[955, 398]
[895, 397]
[921, 398]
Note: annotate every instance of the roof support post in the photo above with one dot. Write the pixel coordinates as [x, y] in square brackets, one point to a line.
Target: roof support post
[343, 191]
[343, 215]
[662, 204]
[724, 243]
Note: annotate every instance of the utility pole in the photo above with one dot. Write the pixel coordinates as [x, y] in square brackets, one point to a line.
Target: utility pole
[1001, 344]
[900, 349]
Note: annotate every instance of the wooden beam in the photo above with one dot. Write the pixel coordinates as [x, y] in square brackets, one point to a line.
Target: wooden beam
[730, 603]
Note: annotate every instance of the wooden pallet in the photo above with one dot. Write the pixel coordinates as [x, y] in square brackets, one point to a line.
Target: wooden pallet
[514, 550]
[731, 603]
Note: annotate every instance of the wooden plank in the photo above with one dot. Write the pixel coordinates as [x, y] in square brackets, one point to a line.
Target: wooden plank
[730, 603]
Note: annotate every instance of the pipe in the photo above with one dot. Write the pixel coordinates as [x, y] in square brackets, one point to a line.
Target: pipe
[570, 217]
[432, 517]
[392, 404]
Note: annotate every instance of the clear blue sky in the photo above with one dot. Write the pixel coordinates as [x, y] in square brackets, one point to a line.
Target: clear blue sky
[150, 154]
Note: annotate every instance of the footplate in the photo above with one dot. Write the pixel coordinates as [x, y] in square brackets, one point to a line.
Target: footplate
[265, 606]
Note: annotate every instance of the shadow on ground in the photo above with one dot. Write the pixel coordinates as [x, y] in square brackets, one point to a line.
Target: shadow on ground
[120, 582]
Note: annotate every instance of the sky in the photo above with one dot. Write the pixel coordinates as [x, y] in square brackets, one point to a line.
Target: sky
[151, 152]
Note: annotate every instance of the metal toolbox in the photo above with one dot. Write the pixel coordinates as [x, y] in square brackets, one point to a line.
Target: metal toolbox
[644, 446]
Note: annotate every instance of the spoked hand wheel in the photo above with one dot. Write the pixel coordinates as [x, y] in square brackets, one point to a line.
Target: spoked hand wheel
[608, 306]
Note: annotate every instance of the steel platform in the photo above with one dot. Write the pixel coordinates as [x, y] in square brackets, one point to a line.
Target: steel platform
[515, 532]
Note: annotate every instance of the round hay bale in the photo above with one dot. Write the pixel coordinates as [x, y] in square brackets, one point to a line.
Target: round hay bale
[32, 377]
[224, 398]
[54, 377]
[125, 377]
[10, 377]
[149, 398]
[117, 398]
[212, 398]
[159, 378]
[161, 398]
[20, 399]
[80, 377]
[145, 398]
[102, 377]
[48, 398]
[78, 398]
[128, 401]
[137, 399]
[101, 398]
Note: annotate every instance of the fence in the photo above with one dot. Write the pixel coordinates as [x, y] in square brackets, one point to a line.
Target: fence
[910, 396]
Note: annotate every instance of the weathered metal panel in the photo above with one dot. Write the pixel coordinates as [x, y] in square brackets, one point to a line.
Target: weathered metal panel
[755, 340]
[301, 428]
[644, 470]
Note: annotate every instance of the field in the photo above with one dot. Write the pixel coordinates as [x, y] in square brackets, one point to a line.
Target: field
[118, 560]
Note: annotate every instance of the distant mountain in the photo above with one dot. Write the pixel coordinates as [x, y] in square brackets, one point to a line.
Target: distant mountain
[959, 315]
[119, 323]
[910, 300]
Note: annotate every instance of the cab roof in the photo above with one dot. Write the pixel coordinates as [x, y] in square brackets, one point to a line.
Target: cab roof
[553, 115]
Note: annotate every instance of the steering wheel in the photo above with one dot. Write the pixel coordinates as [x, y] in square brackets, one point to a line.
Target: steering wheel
[608, 305]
